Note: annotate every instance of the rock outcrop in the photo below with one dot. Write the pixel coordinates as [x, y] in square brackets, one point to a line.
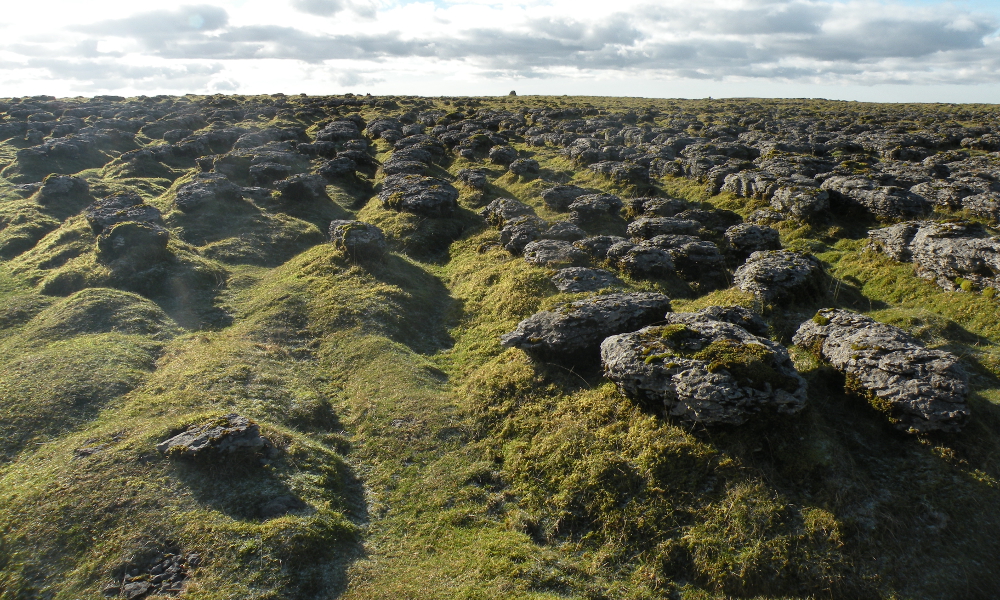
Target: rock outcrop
[226, 436]
[919, 389]
[575, 332]
[357, 239]
[955, 255]
[701, 368]
[780, 276]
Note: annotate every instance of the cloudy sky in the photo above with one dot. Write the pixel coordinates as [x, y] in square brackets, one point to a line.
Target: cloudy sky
[886, 50]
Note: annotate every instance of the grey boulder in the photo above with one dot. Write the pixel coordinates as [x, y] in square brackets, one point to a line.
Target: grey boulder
[553, 253]
[643, 262]
[950, 254]
[358, 239]
[702, 369]
[780, 275]
[120, 208]
[745, 239]
[559, 197]
[228, 435]
[205, 189]
[424, 196]
[575, 331]
[919, 389]
[583, 279]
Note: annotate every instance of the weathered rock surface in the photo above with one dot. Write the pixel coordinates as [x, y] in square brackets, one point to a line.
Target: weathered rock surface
[921, 390]
[703, 369]
[120, 208]
[564, 230]
[643, 262]
[575, 332]
[553, 253]
[693, 257]
[425, 196]
[780, 276]
[521, 231]
[649, 227]
[358, 239]
[474, 178]
[583, 279]
[302, 188]
[801, 202]
[561, 196]
[503, 210]
[524, 166]
[956, 255]
[141, 242]
[597, 246]
[229, 435]
[503, 155]
[590, 207]
[207, 188]
[745, 239]
[886, 202]
[62, 188]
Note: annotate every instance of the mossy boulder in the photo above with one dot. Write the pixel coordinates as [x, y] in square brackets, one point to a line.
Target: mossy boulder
[919, 389]
[137, 242]
[359, 240]
[781, 276]
[424, 196]
[230, 435]
[702, 369]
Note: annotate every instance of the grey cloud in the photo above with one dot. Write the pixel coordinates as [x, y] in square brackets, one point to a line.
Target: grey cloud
[320, 8]
[107, 69]
[758, 40]
[160, 27]
[884, 38]
[105, 74]
[795, 17]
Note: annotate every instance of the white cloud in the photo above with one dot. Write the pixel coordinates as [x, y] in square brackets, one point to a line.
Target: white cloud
[437, 47]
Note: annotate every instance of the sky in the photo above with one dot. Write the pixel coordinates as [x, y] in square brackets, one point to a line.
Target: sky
[866, 50]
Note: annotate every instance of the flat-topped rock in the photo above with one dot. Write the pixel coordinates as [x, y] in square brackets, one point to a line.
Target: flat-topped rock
[583, 279]
[228, 435]
[703, 369]
[425, 196]
[919, 389]
[575, 331]
[780, 276]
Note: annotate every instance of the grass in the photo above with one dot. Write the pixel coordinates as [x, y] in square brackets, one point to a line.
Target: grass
[434, 462]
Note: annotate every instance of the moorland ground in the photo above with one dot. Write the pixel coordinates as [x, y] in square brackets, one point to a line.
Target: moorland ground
[417, 457]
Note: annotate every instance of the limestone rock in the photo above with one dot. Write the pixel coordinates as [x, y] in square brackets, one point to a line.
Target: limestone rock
[920, 389]
[358, 239]
[954, 255]
[575, 331]
[228, 435]
[553, 253]
[703, 369]
[206, 188]
[120, 208]
[561, 196]
[780, 275]
[745, 239]
[424, 196]
[582, 279]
